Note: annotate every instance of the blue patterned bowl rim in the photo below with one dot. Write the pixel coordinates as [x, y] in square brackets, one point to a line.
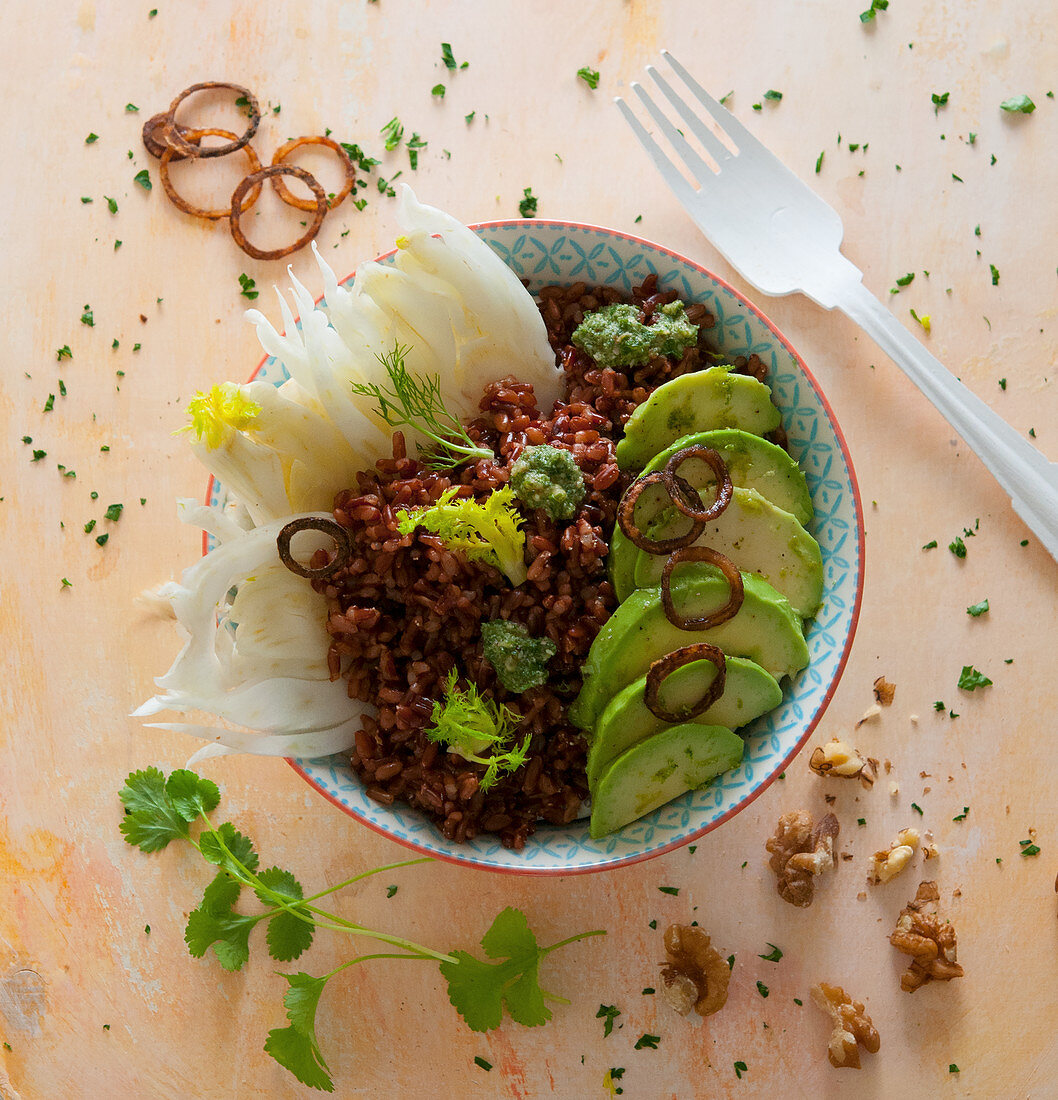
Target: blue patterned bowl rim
[815, 439]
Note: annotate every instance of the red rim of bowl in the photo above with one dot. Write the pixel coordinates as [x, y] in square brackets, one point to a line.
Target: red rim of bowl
[789, 757]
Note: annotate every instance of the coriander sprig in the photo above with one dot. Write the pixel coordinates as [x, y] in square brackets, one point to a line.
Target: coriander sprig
[415, 400]
[159, 810]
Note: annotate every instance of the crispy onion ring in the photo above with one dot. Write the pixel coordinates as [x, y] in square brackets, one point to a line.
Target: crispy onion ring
[285, 193]
[343, 552]
[731, 575]
[663, 667]
[152, 128]
[686, 498]
[254, 180]
[626, 520]
[174, 136]
[194, 137]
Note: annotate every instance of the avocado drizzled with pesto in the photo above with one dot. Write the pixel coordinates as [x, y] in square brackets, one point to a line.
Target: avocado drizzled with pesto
[614, 336]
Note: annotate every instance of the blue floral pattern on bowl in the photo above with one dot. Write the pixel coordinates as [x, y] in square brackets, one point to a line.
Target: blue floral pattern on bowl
[543, 252]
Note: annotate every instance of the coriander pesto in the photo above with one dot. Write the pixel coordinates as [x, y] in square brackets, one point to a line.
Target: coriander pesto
[615, 337]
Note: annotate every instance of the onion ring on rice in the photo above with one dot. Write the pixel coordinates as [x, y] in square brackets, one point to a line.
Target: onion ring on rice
[254, 180]
[343, 551]
[193, 137]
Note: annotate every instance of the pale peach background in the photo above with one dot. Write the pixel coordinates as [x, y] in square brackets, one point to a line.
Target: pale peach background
[74, 899]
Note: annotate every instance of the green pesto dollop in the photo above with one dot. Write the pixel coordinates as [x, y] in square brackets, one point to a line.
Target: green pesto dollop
[614, 336]
[548, 478]
[520, 661]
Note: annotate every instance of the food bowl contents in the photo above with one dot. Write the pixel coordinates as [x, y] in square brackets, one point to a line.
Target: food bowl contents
[852, 1026]
[543, 549]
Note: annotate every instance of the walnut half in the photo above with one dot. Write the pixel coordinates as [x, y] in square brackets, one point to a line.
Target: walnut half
[889, 862]
[844, 762]
[852, 1026]
[695, 976]
[929, 941]
[801, 850]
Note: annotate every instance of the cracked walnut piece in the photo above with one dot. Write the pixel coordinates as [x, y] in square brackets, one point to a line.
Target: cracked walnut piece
[841, 760]
[884, 691]
[852, 1026]
[800, 850]
[929, 941]
[889, 862]
[695, 975]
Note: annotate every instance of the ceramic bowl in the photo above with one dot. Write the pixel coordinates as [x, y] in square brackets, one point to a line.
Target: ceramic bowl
[544, 252]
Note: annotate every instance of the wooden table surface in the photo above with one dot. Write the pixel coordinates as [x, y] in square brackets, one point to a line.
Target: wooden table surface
[91, 1002]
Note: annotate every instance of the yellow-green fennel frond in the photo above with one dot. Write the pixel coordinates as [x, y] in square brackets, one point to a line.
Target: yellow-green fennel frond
[212, 415]
[484, 532]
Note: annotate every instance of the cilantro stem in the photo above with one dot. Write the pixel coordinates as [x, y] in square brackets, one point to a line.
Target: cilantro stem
[366, 874]
[573, 939]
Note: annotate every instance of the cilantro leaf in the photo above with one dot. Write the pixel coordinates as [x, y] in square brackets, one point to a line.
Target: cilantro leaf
[216, 924]
[479, 991]
[288, 935]
[970, 679]
[151, 819]
[977, 609]
[1018, 104]
[295, 1047]
[189, 793]
[237, 845]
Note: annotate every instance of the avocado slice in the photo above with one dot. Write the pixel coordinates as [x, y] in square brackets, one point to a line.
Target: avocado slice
[752, 462]
[749, 692]
[698, 402]
[759, 538]
[765, 630]
[660, 769]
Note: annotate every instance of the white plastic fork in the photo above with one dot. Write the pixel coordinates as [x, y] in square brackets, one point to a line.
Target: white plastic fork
[783, 238]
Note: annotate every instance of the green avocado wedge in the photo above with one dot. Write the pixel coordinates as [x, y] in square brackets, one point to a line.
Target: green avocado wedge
[646, 776]
[697, 402]
[759, 538]
[765, 629]
[749, 692]
[752, 462]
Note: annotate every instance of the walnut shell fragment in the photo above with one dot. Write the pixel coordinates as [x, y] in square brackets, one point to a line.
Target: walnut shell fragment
[695, 975]
[800, 850]
[835, 758]
[930, 941]
[852, 1026]
[884, 691]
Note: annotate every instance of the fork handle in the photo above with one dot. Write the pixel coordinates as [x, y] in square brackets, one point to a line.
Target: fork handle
[1028, 478]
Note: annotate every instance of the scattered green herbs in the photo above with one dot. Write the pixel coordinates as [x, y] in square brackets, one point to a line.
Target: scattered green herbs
[102, 539]
[762, 989]
[66, 584]
[957, 547]
[87, 317]
[589, 76]
[924, 320]
[970, 679]
[772, 94]
[50, 403]
[917, 808]
[91, 139]
[414, 144]
[143, 178]
[931, 545]
[975, 610]
[819, 162]
[773, 956]
[866, 17]
[247, 287]
[614, 1073]
[995, 274]
[1028, 848]
[38, 455]
[647, 1042]
[953, 1068]
[438, 90]
[906, 280]
[607, 1013]
[962, 816]
[741, 1067]
[468, 119]
[112, 204]
[113, 512]
[131, 108]
[1002, 383]
[1018, 104]
[527, 205]
[797, 1001]
[392, 133]
[447, 56]
[479, 1061]
[673, 890]
[90, 526]
[159, 810]
[939, 101]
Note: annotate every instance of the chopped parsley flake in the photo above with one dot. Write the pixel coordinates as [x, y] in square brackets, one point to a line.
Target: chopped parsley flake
[773, 956]
[939, 101]
[1018, 104]
[740, 1067]
[931, 545]
[89, 527]
[905, 280]
[731, 962]
[772, 94]
[414, 144]
[607, 1013]
[438, 90]
[1002, 383]
[953, 1068]
[647, 1042]
[527, 205]
[957, 547]
[114, 511]
[970, 679]
[589, 76]
[995, 274]
[112, 204]
[468, 119]
[65, 584]
[673, 890]
[247, 286]
[91, 139]
[131, 108]
[861, 821]
[143, 178]
[614, 1073]
[447, 56]
[38, 455]
[64, 353]
[102, 539]
[392, 132]
[977, 609]
[819, 162]
[917, 808]
[50, 403]
[87, 318]
[648, 990]
[962, 816]
[762, 989]
[797, 1001]
[1028, 848]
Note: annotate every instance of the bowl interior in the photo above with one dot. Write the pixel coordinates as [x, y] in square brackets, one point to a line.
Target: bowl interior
[542, 252]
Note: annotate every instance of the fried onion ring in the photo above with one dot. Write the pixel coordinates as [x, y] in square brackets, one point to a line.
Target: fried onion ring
[685, 497]
[731, 575]
[254, 180]
[286, 149]
[663, 667]
[193, 137]
[152, 128]
[343, 549]
[173, 135]
[626, 519]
